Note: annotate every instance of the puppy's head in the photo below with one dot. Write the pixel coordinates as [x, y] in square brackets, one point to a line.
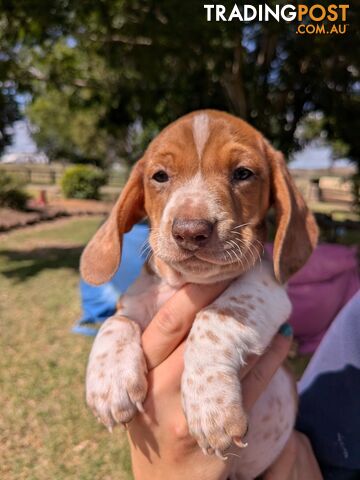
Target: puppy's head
[206, 183]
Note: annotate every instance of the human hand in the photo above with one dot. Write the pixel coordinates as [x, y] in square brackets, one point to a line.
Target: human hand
[296, 462]
[159, 439]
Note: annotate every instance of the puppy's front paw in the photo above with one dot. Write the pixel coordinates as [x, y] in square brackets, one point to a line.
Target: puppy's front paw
[213, 409]
[116, 384]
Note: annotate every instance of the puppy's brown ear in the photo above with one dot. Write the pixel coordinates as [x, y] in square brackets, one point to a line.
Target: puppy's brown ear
[297, 232]
[101, 257]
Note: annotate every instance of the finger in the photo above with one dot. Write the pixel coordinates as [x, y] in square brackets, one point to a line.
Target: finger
[173, 321]
[306, 465]
[250, 364]
[258, 378]
[168, 373]
[284, 466]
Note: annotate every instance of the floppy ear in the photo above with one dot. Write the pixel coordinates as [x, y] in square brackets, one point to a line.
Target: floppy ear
[297, 232]
[101, 257]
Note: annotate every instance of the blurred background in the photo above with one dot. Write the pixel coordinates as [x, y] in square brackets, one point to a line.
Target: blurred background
[84, 86]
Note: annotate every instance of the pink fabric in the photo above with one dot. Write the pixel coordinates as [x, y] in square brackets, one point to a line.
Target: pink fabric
[319, 291]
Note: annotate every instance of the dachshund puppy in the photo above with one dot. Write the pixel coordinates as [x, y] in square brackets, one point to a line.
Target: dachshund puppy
[206, 183]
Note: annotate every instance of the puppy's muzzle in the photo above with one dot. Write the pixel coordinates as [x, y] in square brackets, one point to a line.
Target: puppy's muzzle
[192, 234]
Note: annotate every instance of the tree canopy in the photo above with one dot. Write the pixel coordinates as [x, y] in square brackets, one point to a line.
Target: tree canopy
[104, 76]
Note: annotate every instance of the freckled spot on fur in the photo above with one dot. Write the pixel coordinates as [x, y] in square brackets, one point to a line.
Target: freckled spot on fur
[101, 375]
[104, 396]
[266, 435]
[260, 300]
[200, 370]
[191, 338]
[200, 389]
[250, 306]
[264, 282]
[241, 312]
[194, 407]
[210, 378]
[228, 354]
[102, 356]
[108, 332]
[244, 297]
[189, 381]
[236, 312]
[119, 350]
[230, 337]
[266, 418]
[219, 400]
[225, 378]
[205, 316]
[211, 336]
[226, 312]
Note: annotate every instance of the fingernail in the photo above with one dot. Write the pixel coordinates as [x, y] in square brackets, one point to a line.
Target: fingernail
[286, 330]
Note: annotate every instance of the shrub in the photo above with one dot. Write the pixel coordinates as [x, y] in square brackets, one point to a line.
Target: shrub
[12, 193]
[82, 181]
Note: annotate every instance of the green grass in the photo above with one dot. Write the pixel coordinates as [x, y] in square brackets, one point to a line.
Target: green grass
[46, 431]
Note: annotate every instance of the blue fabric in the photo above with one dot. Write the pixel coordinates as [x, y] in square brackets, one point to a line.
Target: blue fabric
[99, 303]
[330, 397]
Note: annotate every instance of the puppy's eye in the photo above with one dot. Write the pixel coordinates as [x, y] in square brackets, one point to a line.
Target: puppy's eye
[241, 173]
[161, 176]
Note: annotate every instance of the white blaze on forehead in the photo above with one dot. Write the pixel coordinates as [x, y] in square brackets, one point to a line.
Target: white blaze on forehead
[194, 190]
[201, 131]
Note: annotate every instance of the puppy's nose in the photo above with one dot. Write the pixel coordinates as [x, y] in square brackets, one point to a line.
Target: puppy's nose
[191, 234]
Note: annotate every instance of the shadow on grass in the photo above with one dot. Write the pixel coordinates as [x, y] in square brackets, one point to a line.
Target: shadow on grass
[23, 264]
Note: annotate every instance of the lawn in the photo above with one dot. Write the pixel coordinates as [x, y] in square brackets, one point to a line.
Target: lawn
[46, 431]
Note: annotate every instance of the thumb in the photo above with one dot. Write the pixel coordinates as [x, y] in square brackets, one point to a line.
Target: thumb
[174, 319]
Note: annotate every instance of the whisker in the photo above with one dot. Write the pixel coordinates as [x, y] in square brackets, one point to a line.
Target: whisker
[242, 225]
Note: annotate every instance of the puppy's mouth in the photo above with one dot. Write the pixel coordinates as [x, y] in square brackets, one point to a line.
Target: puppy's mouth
[225, 255]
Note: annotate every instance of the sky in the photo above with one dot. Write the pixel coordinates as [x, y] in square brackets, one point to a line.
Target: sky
[22, 141]
[310, 157]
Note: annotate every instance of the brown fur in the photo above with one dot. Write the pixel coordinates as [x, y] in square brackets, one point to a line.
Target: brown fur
[231, 142]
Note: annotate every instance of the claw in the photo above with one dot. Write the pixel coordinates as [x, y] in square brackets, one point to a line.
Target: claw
[140, 407]
[240, 443]
[220, 455]
[110, 428]
[207, 451]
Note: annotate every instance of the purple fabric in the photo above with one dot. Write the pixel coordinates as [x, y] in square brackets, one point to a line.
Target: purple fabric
[319, 291]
